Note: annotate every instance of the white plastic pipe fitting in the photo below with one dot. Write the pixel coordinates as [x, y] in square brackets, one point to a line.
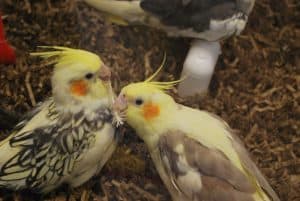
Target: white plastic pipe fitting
[198, 67]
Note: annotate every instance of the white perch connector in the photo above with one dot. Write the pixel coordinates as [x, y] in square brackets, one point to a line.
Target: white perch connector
[198, 67]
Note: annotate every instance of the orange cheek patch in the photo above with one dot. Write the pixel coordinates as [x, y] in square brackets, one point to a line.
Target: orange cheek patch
[150, 111]
[79, 88]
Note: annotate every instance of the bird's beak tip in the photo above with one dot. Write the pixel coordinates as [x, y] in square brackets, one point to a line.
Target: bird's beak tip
[120, 104]
[105, 74]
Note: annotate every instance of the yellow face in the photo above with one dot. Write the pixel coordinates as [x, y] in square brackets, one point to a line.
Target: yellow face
[92, 83]
[81, 85]
[78, 75]
[143, 105]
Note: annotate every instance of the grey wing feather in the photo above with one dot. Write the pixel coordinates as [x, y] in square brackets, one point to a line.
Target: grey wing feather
[247, 161]
[220, 179]
[250, 165]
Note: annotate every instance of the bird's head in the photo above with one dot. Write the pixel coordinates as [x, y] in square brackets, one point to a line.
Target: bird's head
[146, 106]
[79, 77]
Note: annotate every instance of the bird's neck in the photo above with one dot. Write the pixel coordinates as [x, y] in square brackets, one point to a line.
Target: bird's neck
[74, 106]
[151, 131]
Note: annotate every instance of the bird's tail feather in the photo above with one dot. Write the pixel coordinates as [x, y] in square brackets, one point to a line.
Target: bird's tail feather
[128, 11]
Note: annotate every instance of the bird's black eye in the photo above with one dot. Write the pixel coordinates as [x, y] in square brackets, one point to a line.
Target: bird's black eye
[139, 101]
[89, 76]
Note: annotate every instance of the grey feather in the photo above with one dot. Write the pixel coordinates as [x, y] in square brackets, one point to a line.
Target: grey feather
[220, 179]
[249, 164]
[238, 145]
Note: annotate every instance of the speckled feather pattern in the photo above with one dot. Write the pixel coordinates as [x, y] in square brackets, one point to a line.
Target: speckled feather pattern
[47, 156]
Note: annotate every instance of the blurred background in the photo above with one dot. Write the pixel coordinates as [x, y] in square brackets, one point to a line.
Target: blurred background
[255, 88]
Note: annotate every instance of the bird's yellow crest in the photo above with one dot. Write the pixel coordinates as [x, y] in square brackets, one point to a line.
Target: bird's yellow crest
[160, 85]
[144, 90]
[63, 56]
[149, 85]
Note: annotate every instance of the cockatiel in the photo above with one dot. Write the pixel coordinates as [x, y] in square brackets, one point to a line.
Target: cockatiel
[196, 154]
[68, 138]
[207, 21]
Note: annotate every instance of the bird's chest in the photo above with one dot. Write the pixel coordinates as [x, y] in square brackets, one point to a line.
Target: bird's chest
[93, 135]
[83, 134]
[99, 144]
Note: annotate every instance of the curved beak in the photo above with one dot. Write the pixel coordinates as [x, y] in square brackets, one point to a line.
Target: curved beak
[105, 73]
[119, 109]
[105, 77]
[120, 104]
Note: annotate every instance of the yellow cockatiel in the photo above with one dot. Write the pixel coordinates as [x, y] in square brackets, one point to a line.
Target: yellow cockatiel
[68, 138]
[196, 154]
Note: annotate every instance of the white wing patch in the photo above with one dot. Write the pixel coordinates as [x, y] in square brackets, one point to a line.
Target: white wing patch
[190, 182]
[200, 173]
[218, 29]
[185, 179]
[227, 27]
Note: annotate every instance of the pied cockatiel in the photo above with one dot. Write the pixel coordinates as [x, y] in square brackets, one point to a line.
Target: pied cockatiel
[208, 21]
[69, 137]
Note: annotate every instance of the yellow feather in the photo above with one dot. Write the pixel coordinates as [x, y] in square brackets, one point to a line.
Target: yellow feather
[200, 120]
[198, 125]
[160, 85]
[63, 56]
[259, 195]
[158, 70]
[129, 11]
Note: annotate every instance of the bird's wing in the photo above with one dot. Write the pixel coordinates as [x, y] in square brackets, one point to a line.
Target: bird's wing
[42, 114]
[247, 162]
[46, 154]
[196, 14]
[201, 173]
[48, 110]
[250, 165]
[120, 12]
